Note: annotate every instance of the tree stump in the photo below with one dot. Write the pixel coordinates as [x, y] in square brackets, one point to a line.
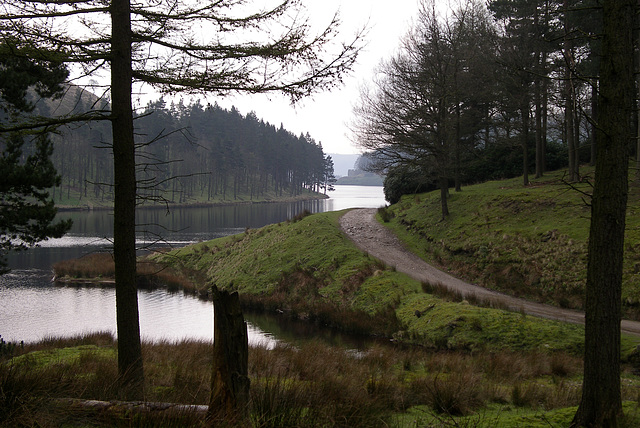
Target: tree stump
[229, 377]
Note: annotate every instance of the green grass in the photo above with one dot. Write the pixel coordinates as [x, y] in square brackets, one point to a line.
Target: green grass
[309, 384]
[525, 241]
[309, 269]
[507, 416]
[450, 325]
[67, 355]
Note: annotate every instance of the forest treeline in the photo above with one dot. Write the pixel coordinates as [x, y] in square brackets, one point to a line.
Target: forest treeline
[187, 153]
[488, 90]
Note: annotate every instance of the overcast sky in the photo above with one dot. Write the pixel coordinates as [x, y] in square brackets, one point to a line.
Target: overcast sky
[326, 115]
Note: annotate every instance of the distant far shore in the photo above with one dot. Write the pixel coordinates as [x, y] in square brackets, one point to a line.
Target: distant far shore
[199, 204]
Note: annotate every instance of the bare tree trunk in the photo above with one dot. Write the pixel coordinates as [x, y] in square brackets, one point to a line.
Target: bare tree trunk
[538, 134]
[569, 131]
[540, 60]
[570, 101]
[569, 109]
[130, 369]
[601, 403]
[594, 119]
[545, 121]
[525, 143]
[636, 37]
[458, 166]
[443, 182]
[229, 380]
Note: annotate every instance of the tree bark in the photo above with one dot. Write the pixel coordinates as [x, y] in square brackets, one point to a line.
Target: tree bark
[229, 378]
[130, 370]
[538, 135]
[525, 143]
[594, 120]
[569, 94]
[443, 183]
[601, 403]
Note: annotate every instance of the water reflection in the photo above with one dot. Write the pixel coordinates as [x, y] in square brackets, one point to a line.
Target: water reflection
[31, 307]
[32, 313]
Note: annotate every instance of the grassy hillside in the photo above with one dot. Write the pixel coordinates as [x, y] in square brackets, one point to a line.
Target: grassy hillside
[499, 368]
[310, 270]
[526, 241]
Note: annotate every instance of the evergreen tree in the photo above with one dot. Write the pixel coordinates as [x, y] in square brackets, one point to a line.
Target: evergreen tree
[218, 47]
[27, 211]
[601, 403]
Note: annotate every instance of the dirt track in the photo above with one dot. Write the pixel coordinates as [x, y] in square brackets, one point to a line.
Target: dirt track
[372, 237]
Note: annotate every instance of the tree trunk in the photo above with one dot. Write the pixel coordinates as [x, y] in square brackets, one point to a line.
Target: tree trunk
[229, 379]
[458, 166]
[444, 195]
[636, 36]
[569, 94]
[525, 143]
[130, 370]
[540, 60]
[545, 121]
[569, 128]
[601, 404]
[539, 146]
[594, 120]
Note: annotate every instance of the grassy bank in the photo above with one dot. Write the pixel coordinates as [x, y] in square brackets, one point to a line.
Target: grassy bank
[308, 269]
[307, 385]
[454, 363]
[525, 241]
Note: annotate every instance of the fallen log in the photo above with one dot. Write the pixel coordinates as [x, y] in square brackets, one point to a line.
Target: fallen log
[127, 407]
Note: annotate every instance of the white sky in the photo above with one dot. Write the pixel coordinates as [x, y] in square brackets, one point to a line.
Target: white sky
[325, 116]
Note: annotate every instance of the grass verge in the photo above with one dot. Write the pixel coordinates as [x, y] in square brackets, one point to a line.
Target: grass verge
[306, 385]
[529, 241]
[309, 269]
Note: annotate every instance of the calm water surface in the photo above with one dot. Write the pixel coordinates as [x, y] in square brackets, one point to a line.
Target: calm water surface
[32, 307]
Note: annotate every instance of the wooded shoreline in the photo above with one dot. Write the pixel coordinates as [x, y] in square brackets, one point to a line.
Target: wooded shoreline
[299, 198]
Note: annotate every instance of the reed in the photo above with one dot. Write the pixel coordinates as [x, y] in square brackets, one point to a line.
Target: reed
[310, 384]
[100, 268]
[94, 265]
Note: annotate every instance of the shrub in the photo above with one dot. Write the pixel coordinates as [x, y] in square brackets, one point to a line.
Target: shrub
[385, 214]
[300, 216]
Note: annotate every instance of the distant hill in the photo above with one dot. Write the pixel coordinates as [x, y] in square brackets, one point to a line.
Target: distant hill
[348, 173]
[361, 178]
[74, 100]
[343, 163]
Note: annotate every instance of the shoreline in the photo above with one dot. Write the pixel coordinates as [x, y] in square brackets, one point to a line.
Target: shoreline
[299, 198]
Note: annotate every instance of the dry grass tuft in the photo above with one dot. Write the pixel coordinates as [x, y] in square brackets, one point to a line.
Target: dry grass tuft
[310, 384]
[100, 267]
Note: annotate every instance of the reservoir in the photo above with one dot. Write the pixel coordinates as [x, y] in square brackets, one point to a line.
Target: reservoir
[33, 308]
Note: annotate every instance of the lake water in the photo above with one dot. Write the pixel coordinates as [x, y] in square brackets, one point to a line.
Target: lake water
[32, 307]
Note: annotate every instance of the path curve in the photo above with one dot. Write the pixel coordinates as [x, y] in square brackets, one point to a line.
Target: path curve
[373, 238]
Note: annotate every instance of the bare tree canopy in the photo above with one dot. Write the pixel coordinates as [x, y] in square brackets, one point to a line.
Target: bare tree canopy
[420, 108]
[201, 47]
[218, 47]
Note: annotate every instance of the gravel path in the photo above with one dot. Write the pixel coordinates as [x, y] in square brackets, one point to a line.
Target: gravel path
[370, 236]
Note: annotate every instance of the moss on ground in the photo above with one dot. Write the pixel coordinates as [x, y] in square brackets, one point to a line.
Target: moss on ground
[63, 356]
[310, 266]
[529, 241]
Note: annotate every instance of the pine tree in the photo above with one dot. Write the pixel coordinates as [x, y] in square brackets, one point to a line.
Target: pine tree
[27, 211]
[218, 47]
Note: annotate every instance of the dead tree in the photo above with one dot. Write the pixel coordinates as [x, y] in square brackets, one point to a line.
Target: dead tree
[229, 378]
